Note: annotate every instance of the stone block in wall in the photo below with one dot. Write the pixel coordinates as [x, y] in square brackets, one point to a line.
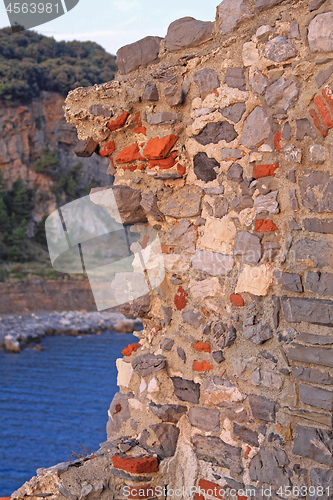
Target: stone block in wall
[324, 226]
[282, 94]
[215, 132]
[212, 263]
[315, 311]
[146, 364]
[316, 396]
[141, 53]
[119, 413]
[187, 32]
[150, 93]
[212, 449]
[314, 443]
[186, 390]
[269, 467]
[279, 49]
[320, 283]
[168, 413]
[183, 203]
[128, 203]
[204, 167]
[235, 78]
[266, 4]
[290, 282]
[167, 435]
[312, 252]
[248, 246]
[206, 80]
[262, 408]
[309, 354]
[321, 478]
[245, 434]
[205, 419]
[230, 13]
[317, 191]
[234, 112]
[312, 375]
[164, 117]
[320, 34]
[257, 127]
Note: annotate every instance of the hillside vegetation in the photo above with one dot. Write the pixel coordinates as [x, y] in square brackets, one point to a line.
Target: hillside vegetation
[30, 63]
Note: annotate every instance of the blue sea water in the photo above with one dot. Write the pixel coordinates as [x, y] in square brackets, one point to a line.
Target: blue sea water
[53, 401]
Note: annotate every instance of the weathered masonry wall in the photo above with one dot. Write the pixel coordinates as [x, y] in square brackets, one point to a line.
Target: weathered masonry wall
[221, 139]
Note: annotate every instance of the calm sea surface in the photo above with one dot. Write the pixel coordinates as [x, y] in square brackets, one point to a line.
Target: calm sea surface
[53, 401]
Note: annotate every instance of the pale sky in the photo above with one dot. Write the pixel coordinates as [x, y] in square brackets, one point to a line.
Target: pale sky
[114, 23]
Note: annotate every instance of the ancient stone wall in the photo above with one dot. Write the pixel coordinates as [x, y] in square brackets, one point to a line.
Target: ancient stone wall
[225, 130]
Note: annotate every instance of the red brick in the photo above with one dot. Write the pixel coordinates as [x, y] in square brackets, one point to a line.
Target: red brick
[240, 497]
[202, 347]
[137, 119]
[180, 169]
[277, 141]
[317, 122]
[197, 497]
[328, 96]
[180, 298]
[138, 465]
[265, 226]
[165, 163]
[142, 491]
[202, 366]
[118, 122]
[140, 130]
[247, 451]
[108, 149]
[215, 490]
[320, 105]
[157, 149]
[127, 351]
[130, 153]
[260, 171]
[237, 300]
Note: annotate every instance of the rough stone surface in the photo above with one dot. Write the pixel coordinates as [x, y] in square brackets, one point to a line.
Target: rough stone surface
[314, 443]
[279, 49]
[184, 203]
[324, 226]
[258, 81]
[187, 32]
[256, 128]
[317, 191]
[290, 282]
[163, 117]
[214, 450]
[255, 280]
[270, 467]
[312, 252]
[316, 396]
[146, 364]
[234, 77]
[248, 246]
[320, 35]
[316, 311]
[249, 436]
[204, 167]
[167, 435]
[168, 413]
[303, 129]
[315, 355]
[140, 53]
[173, 95]
[213, 133]
[150, 93]
[207, 81]
[262, 408]
[119, 413]
[258, 334]
[205, 419]
[266, 4]
[282, 94]
[231, 13]
[234, 112]
[186, 390]
[320, 283]
[312, 375]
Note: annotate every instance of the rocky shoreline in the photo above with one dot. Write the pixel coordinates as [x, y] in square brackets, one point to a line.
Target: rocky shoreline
[20, 331]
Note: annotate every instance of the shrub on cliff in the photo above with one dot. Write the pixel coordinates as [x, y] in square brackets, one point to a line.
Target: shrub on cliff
[30, 63]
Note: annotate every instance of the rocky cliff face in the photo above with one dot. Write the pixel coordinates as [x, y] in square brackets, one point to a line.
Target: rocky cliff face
[25, 130]
[225, 130]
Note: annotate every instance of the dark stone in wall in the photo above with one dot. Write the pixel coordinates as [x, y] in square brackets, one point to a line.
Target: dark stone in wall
[269, 467]
[168, 413]
[319, 283]
[140, 53]
[279, 49]
[217, 452]
[213, 133]
[314, 443]
[324, 226]
[207, 81]
[317, 191]
[234, 77]
[146, 364]
[316, 396]
[248, 246]
[186, 390]
[315, 311]
[247, 435]
[322, 478]
[187, 32]
[167, 435]
[119, 411]
[204, 418]
[315, 339]
[266, 4]
[319, 252]
[262, 408]
[308, 354]
[204, 167]
[150, 93]
[312, 375]
[234, 112]
[167, 344]
[290, 281]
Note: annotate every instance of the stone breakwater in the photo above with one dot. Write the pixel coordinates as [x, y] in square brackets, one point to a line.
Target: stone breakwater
[18, 332]
[221, 139]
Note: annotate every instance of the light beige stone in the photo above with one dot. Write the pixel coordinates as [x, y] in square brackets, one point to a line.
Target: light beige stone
[250, 54]
[176, 263]
[214, 394]
[255, 280]
[205, 288]
[125, 372]
[219, 236]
